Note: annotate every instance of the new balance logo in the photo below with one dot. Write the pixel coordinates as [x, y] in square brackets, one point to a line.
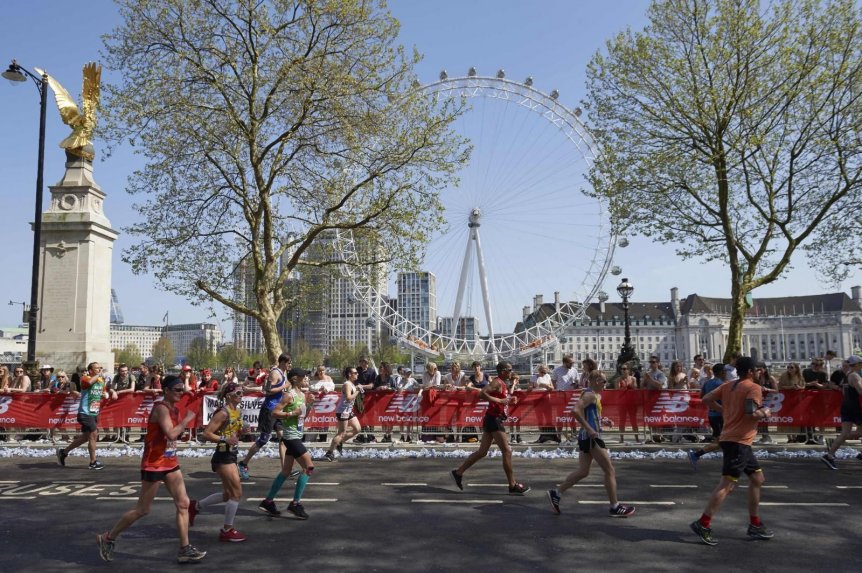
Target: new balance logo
[773, 401]
[327, 404]
[146, 405]
[69, 406]
[480, 407]
[672, 403]
[403, 403]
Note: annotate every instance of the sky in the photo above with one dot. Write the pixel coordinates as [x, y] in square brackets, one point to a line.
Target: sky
[549, 40]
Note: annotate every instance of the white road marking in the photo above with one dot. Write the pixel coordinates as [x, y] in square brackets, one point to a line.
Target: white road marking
[17, 497]
[848, 486]
[472, 501]
[804, 504]
[304, 500]
[590, 502]
[745, 486]
[393, 483]
[673, 486]
[9, 481]
[486, 484]
[78, 481]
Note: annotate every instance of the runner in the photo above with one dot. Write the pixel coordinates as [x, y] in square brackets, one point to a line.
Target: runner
[92, 394]
[588, 412]
[741, 406]
[497, 394]
[851, 412]
[159, 464]
[273, 388]
[291, 410]
[716, 421]
[347, 423]
[225, 428]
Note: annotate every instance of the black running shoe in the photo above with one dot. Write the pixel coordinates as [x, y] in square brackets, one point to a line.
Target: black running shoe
[269, 508]
[61, 456]
[518, 489]
[705, 533]
[457, 479]
[760, 531]
[829, 461]
[329, 456]
[340, 448]
[296, 509]
[97, 465]
[859, 456]
[554, 498]
[621, 510]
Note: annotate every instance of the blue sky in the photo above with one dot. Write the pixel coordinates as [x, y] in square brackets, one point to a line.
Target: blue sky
[552, 41]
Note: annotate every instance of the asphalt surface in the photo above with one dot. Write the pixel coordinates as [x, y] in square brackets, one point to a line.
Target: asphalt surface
[407, 515]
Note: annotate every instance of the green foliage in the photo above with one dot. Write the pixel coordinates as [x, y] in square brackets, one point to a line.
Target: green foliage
[163, 353]
[130, 355]
[230, 355]
[730, 129]
[273, 123]
[200, 354]
[388, 352]
[342, 354]
[304, 356]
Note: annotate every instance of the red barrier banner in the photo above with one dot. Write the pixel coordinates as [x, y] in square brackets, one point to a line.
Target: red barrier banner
[435, 408]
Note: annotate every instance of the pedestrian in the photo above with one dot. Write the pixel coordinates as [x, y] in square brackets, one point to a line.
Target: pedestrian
[273, 388]
[159, 464]
[225, 429]
[496, 392]
[741, 405]
[92, 393]
[291, 410]
[588, 412]
[347, 424]
[851, 412]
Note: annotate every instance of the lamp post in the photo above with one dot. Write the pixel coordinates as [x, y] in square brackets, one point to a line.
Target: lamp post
[625, 290]
[16, 74]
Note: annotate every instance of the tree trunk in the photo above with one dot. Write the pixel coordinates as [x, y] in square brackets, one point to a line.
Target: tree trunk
[738, 308]
[269, 328]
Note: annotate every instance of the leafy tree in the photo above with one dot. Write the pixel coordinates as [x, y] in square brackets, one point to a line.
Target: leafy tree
[230, 355]
[200, 354]
[276, 122]
[163, 352]
[731, 129]
[304, 355]
[342, 353]
[130, 355]
[388, 352]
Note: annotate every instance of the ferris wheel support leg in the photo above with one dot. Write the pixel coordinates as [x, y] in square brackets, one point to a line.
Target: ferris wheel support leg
[462, 283]
[486, 299]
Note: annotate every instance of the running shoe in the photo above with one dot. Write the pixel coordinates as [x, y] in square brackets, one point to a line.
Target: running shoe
[97, 465]
[61, 456]
[829, 461]
[106, 547]
[621, 510]
[705, 533]
[296, 509]
[340, 448]
[294, 474]
[193, 511]
[760, 531]
[859, 456]
[243, 472]
[554, 498]
[190, 554]
[693, 458]
[329, 456]
[518, 489]
[457, 479]
[268, 507]
[231, 536]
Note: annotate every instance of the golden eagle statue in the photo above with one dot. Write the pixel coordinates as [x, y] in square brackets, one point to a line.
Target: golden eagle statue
[80, 142]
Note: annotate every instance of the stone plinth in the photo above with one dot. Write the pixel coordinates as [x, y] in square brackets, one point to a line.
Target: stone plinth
[73, 326]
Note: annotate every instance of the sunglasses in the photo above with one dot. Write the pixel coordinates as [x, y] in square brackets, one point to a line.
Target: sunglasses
[177, 389]
[238, 393]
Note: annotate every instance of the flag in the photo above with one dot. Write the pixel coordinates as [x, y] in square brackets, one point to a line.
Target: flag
[165, 318]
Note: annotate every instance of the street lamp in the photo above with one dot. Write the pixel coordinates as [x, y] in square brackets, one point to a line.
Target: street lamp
[625, 290]
[16, 75]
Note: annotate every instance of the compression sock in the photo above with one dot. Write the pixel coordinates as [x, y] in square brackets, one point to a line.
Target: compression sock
[705, 520]
[301, 482]
[230, 508]
[211, 499]
[276, 486]
[755, 521]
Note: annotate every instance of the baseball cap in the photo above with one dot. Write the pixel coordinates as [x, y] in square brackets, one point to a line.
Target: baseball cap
[730, 372]
[854, 360]
[297, 372]
[187, 368]
[170, 381]
[47, 367]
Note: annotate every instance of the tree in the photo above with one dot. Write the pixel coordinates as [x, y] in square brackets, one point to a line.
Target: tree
[130, 355]
[266, 125]
[304, 355]
[230, 355]
[388, 352]
[163, 352]
[200, 354]
[732, 131]
[342, 354]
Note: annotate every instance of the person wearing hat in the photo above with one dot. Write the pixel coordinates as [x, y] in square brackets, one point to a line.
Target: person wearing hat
[187, 375]
[274, 389]
[291, 411]
[92, 394]
[159, 464]
[46, 379]
[207, 382]
[851, 412]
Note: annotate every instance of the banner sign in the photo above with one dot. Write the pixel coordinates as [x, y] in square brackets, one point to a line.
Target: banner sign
[432, 408]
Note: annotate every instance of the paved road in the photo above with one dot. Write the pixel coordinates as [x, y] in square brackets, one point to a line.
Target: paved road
[407, 515]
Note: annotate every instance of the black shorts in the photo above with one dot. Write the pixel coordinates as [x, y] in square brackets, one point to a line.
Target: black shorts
[738, 458]
[295, 448]
[221, 458]
[157, 476]
[493, 424]
[590, 444]
[88, 423]
[349, 416]
[717, 425]
[265, 423]
[852, 415]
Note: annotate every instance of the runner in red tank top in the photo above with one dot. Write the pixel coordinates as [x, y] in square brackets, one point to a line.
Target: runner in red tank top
[497, 395]
[159, 464]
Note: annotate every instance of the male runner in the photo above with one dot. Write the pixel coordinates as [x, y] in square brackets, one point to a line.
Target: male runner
[496, 393]
[741, 405]
[851, 412]
[274, 388]
[92, 394]
[716, 421]
[588, 412]
[159, 464]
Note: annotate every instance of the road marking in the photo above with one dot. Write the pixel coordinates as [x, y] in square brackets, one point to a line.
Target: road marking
[487, 485]
[672, 486]
[304, 500]
[77, 481]
[393, 483]
[131, 498]
[804, 504]
[848, 486]
[9, 481]
[243, 483]
[590, 502]
[472, 501]
[745, 486]
[17, 497]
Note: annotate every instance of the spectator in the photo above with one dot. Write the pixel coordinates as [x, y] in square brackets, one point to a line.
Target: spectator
[229, 376]
[565, 375]
[256, 378]
[367, 376]
[654, 378]
[46, 379]
[700, 365]
[628, 385]
[321, 383]
[4, 379]
[20, 381]
[187, 375]
[383, 383]
[791, 379]
[677, 380]
[832, 362]
[542, 380]
[815, 379]
[589, 366]
[64, 384]
[154, 386]
[851, 412]
[207, 383]
[431, 377]
[76, 377]
[456, 379]
[143, 377]
[477, 379]
[123, 383]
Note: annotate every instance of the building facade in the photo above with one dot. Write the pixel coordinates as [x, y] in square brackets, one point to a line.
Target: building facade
[180, 336]
[416, 293]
